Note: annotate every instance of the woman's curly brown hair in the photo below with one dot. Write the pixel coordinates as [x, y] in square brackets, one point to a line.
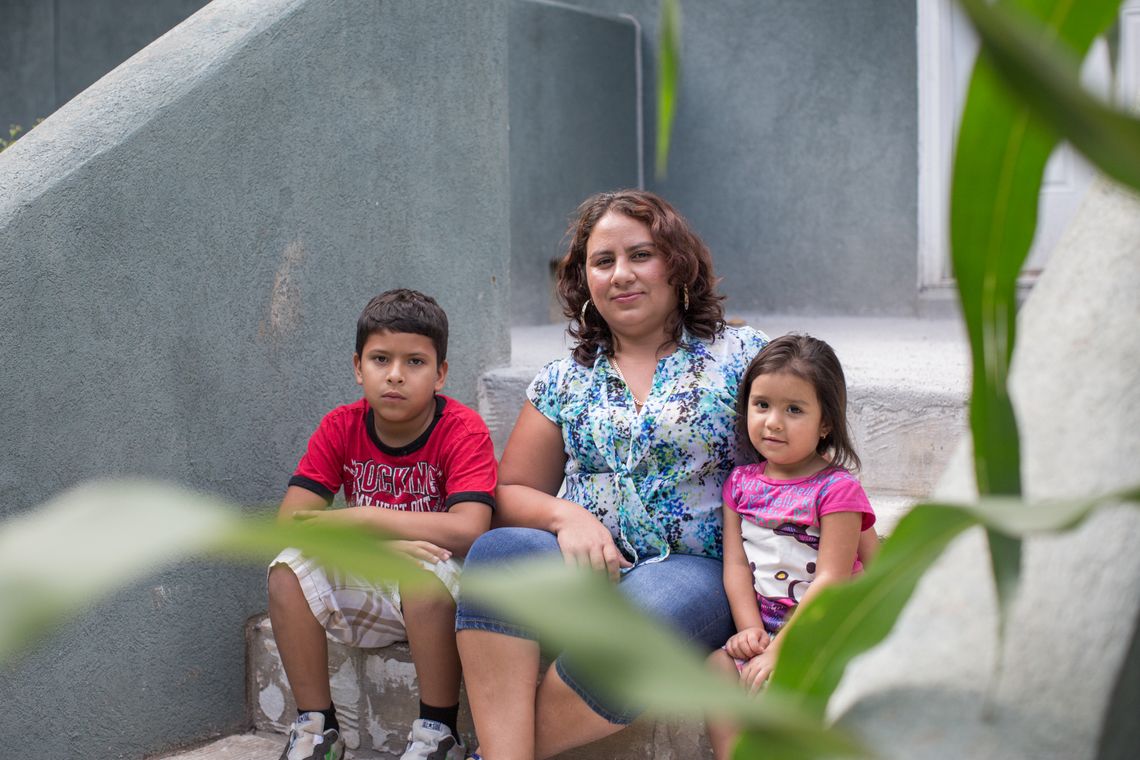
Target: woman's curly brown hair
[687, 259]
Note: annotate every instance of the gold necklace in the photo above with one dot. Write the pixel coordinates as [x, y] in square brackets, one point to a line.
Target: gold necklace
[617, 369]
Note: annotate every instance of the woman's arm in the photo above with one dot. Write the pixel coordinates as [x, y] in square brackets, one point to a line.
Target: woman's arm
[750, 639]
[838, 542]
[868, 546]
[530, 475]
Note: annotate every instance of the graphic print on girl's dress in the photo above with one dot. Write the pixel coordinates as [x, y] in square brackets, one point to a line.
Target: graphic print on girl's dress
[780, 527]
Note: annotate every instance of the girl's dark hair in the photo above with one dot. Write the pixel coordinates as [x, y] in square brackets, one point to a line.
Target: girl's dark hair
[404, 311]
[814, 361]
[687, 261]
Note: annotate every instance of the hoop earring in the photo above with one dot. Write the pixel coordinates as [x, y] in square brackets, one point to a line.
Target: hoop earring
[685, 296]
[582, 314]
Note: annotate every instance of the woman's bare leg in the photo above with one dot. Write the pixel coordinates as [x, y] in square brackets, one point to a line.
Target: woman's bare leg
[563, 721]
[722, 735]
[501, 674]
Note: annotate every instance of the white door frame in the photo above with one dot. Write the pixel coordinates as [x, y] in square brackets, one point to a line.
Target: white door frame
[936, 113]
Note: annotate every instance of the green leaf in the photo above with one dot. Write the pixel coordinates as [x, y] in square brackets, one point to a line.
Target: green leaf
[755, 745]
[847, 620]
[668, 79]
[58, 559]
[1003, 145]
[844, 621]
[345, 548]
[1043, 72]
[633, 659]
[66, 555]
[1005, 562]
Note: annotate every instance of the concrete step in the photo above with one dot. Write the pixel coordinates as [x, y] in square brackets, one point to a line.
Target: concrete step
[236, 747]
[376, 698]
[908, 382]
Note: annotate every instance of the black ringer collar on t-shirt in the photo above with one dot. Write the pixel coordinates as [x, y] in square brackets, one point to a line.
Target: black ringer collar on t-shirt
[415, 445]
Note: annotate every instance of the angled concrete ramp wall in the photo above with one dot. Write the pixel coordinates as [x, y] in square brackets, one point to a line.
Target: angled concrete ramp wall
[184, 249]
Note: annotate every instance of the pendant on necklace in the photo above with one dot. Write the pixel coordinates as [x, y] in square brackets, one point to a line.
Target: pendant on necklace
[637, 402]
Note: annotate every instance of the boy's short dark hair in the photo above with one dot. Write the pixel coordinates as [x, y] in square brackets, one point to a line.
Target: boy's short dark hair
[404, 311]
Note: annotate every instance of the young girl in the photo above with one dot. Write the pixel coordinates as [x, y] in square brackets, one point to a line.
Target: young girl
[793, 521]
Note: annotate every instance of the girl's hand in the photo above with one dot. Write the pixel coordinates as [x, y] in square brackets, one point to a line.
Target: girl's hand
[748, 643]
[757, 670]
[585, 542]
[420, 550]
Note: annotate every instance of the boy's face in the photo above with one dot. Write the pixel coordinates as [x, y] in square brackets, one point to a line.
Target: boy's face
[400, 377]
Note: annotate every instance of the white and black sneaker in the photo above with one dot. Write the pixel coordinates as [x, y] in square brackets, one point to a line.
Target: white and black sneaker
[308, 740]
[431, 740]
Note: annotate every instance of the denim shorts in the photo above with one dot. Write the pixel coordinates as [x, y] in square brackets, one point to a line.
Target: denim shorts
[685, 592]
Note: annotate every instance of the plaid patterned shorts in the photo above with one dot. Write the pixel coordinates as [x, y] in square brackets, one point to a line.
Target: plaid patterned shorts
[356, 612]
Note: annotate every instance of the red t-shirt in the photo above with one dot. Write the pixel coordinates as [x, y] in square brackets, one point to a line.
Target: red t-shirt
[451, 462]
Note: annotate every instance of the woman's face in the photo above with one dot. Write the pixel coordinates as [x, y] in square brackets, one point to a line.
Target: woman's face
[627, 276]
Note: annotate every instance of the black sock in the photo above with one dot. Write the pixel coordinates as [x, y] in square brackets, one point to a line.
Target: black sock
[330, 717]
[448, 716]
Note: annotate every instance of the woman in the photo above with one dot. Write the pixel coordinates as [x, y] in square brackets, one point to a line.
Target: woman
[638, 421]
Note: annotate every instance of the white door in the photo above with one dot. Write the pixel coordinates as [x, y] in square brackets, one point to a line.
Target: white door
[947, 49]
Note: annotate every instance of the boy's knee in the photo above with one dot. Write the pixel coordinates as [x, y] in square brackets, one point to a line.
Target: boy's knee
[282, 582]
[430, 600]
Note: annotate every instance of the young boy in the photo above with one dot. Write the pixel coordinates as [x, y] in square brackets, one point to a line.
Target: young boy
[415, 465]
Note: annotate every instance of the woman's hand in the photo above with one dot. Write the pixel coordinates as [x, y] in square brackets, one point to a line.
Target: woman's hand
[757, 670]
[746, 644]
[585, 542]
[420, 550]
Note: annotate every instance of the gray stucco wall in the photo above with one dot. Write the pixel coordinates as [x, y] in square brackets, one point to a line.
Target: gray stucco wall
[574, 132]
[795, 148]
[184, 249]
[51, 50]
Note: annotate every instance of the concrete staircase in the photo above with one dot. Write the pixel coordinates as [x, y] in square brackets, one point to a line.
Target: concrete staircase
[907, 382]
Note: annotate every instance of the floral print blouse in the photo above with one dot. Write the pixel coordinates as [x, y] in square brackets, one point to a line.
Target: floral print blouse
[653, 478]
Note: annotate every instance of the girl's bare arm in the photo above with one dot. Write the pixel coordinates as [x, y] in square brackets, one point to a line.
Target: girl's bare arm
[750, 639]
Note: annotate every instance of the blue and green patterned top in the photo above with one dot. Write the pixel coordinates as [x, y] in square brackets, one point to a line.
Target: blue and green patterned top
[653, 478]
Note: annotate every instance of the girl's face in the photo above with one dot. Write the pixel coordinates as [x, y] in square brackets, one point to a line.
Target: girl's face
[785, 424]
[627, 276]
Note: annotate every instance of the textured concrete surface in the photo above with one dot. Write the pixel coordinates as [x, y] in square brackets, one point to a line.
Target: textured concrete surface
[237, 747]
[375, 694]
[52, 51]
[1067, 684]
[795, 149]
[574, 118]
[374, 691]
[186, 247]
[907, 381]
